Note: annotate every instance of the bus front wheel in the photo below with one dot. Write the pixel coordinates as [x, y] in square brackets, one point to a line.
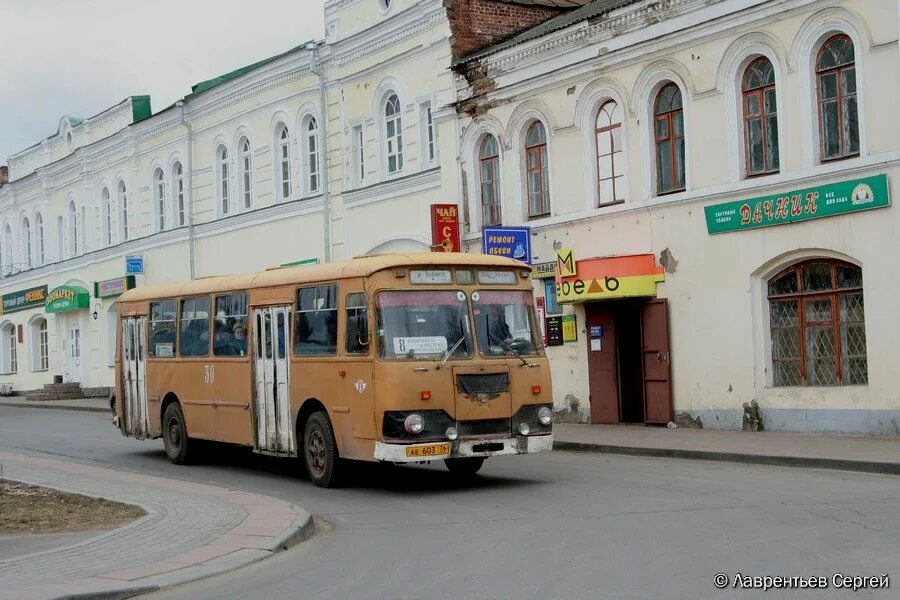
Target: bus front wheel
[465, 467]
[320, 451]
[175, 435]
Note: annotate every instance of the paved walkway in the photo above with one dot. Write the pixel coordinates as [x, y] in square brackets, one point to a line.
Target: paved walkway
[86, 404]
[190, 531]
[855, 453]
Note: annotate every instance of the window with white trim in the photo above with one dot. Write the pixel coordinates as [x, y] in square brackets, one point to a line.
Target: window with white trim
[10, 266]
[283, 156]
[107, 208]
[760, 118]
[836, 88]
[159, 198]
[489, 172]
[27, 257]
[123, 211]
[73, 230]
[246, 173]
[312, 155]
[9, 360]
[223, 178]
[537, 179]
[39, 343]
[178, 193]
[428, 141]
[610, 158]
[41, 243]
[393, 124]
[359, 154]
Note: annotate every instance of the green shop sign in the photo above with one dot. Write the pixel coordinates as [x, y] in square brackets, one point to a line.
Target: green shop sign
[24, 299]
[800, 205]
[113, 287]
[66, 298]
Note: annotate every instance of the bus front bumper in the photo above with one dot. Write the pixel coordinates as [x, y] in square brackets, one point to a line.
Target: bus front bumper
[399, 453]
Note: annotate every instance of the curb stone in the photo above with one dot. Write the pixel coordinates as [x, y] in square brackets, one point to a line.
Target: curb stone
[883, 468]
[104, 409]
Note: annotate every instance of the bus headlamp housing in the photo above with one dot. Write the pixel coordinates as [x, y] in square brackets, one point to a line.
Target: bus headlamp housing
[545, 415]
[533, 419]
[414, 424]
[436, 422]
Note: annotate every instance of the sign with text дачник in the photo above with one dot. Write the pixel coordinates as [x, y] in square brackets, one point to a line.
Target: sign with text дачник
[799, 205]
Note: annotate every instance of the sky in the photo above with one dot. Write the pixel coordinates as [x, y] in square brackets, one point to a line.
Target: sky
[79, 57]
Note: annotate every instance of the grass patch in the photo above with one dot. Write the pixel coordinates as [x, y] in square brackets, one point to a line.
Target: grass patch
[32, 509]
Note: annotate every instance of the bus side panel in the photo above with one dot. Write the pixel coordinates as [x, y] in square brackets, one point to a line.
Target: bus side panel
[321, 380]
[230, 392]
[184, 378]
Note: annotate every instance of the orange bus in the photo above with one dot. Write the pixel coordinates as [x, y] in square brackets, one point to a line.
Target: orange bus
[397, 358]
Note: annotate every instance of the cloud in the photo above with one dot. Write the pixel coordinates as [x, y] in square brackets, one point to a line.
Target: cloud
[78, 58]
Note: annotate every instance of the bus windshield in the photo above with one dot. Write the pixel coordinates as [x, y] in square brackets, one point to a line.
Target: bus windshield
[503, 323]
[423, 325]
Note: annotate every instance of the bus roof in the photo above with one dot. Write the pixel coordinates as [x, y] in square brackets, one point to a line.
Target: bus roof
[358, 267]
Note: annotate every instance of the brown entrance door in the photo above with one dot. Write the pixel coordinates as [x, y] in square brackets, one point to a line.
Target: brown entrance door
[655, 351]
[603, 373]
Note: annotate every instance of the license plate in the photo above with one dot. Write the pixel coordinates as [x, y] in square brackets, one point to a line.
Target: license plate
[432, 450]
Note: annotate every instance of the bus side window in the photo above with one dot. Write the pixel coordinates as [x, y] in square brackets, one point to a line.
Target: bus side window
[194, 339]
[357, 324]
[162, 329]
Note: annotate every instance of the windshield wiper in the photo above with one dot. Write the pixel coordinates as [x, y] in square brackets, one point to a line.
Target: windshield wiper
[450, 352]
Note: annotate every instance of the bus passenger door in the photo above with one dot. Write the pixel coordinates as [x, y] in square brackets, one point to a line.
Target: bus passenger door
[134, 375]
[272, 404]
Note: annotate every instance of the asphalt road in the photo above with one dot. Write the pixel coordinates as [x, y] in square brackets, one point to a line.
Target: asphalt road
[559, 525]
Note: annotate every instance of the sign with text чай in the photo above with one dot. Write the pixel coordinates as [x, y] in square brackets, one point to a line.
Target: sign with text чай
[799, 205]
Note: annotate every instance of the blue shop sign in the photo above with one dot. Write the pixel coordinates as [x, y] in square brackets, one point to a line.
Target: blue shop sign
[134, 264]
[511, 242]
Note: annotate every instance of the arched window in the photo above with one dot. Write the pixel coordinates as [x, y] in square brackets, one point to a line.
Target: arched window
[760, 118]
[159, 198]
[489, 161]
[537, 178]
[836, 83]
[10, 266]
[312, 155]
[123, 211]
[610, 160]
[245, 176]
[9, 362]
[283, 143]
[393, 124]
[41, 243]
[818, 325]
[107, 208]
[39, 344]
[178, 193]
[27, 257]
[669, 137]
[73, 230]
[222, 172]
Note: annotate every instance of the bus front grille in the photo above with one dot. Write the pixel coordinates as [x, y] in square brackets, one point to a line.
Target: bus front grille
[485, 428]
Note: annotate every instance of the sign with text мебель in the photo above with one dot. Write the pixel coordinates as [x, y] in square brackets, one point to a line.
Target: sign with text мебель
[800, 205]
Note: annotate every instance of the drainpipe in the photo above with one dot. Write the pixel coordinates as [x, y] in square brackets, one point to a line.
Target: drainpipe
[190, 188]
[318, 69]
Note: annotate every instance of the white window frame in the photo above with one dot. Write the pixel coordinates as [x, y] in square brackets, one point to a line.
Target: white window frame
[122, 202]
[178, 194]
[223, 176]
[40, 238]
[245, 173]
[358, 153]
[60, 238]
[27, 256]
[428, 135]
[159, 199]
[285, 186]
[73, 229]
[393, 142]
[312, 182]
[39, 344]
[8, 256]
[106, 216]
[9, 359]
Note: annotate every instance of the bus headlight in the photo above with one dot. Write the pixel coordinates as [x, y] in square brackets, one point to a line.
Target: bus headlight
[452, 433]
[524, 429]
[545, 415]
[414, 424]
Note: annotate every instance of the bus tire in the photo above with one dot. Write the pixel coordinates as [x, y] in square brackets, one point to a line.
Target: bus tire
[320, 451]
[464, 467]
[179, 447]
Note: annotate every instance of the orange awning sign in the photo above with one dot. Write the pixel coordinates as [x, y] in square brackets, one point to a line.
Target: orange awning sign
[608, 278]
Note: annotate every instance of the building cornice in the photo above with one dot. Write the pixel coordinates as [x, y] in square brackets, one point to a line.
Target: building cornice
[392, 188]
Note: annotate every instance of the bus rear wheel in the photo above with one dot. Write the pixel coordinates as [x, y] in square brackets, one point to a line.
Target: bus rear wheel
[464, 467]
[320, 451]
[179, 447]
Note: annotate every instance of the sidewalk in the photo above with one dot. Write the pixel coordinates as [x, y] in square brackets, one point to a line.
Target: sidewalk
[191, 531]
[84, 404]
[851, 453]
